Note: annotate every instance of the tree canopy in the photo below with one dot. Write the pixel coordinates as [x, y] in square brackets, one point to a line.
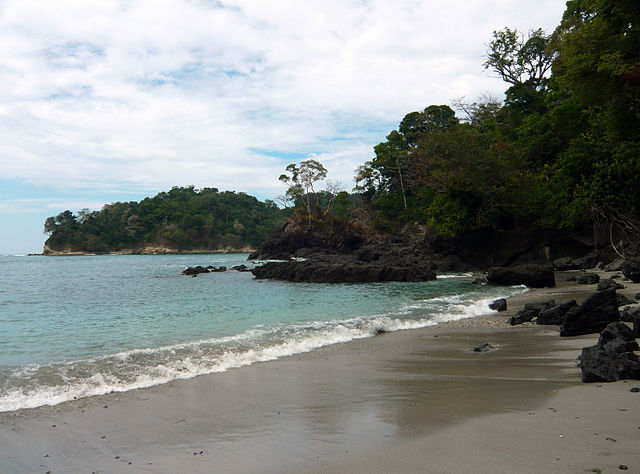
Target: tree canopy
[183, 218]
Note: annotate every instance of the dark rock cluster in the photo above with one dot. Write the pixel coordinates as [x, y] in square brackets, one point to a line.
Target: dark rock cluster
[195, 271]
[613, 357]
[347, 272]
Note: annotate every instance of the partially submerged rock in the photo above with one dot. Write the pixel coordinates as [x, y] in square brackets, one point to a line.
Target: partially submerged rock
[486, 347]
[499, 305]
[240, 268]
[592, 316]
[195, 270]
[612, 358]
[532, 275]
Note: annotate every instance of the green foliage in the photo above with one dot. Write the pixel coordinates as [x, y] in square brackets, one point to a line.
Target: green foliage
[183, 218]
[565, 141]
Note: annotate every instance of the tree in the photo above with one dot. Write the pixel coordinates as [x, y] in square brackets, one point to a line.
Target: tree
[520, 60]
[301, 180]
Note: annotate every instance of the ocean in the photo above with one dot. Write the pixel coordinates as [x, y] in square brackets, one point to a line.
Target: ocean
[73, 327]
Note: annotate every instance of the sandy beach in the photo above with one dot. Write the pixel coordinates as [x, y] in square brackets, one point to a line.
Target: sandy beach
[409, 401]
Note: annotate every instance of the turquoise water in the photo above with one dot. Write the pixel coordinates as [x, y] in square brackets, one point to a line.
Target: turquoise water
[80, 326]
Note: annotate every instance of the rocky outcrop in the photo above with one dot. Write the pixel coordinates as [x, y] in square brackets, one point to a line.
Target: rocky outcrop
[535, 276]
[555, 315]
[612, 358]
[592, 315]
[348, 272]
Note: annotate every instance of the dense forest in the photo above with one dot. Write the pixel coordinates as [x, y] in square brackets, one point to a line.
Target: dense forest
[181, 219]
[561, 151]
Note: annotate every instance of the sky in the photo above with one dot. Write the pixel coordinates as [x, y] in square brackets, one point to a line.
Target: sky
[104, 101]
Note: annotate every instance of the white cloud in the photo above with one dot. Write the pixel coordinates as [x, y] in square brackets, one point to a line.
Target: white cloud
[152, 94]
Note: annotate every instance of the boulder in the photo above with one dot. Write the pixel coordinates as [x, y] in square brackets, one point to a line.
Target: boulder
[615, 266]
[631, 269]
[592, 316]
[219, 269]
[623, 300]
[532, 275]
[609, 283]
[637, 296]
[530, 311]
[499, 305]
[612, 358]
[588, 279]
[555, 315]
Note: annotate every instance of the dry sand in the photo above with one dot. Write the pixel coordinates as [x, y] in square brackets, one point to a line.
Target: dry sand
[411, 401]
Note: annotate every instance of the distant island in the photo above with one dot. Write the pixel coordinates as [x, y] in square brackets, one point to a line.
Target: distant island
[181, 220]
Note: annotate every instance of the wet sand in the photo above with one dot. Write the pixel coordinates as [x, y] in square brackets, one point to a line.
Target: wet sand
[410, 401]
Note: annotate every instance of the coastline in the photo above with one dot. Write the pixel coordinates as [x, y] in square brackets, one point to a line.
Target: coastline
[403, 401]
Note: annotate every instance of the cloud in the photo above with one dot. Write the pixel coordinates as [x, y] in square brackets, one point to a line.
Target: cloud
[148, 94]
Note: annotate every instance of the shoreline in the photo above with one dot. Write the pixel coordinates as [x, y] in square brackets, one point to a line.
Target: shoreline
[392, 403]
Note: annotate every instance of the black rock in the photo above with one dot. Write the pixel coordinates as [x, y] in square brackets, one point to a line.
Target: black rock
[486, 347]
[631, 270]
[533, 275]
[195, 270]
[607, 284]
[556, 314]
[592, 316]
[571, 278]
[630, 313]
[623, 300]
[240, 268]
[349, 272]
[637, 296]
[530, 311]
[612, 358]
[499, 305]
[634, 389]
[588, 279]
[219, 269]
